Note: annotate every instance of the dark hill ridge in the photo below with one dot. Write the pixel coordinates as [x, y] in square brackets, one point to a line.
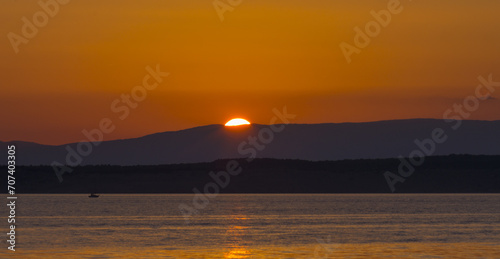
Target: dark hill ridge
[439, 174]
[330, 141]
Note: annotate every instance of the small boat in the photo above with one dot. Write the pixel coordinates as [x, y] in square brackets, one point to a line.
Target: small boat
[93, 195]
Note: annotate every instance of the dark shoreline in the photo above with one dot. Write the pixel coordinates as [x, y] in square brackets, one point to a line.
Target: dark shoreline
[438, 174]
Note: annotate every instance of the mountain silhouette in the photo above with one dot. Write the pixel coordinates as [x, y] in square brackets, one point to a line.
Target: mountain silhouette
[315, 142]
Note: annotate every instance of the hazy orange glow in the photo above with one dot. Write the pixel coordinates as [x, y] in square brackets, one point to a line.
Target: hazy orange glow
[237, 122]
[264, 55]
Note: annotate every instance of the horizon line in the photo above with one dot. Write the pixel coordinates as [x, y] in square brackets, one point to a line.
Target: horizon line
[222, 125]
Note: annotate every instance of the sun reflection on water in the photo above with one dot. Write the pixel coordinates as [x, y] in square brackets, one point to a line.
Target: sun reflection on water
[237, 253]
[236, 243]
[235, 238]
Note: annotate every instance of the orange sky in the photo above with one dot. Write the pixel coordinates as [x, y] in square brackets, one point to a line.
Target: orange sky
[264, 54]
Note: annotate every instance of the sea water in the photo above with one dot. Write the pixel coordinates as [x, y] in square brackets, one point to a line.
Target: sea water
[256, 226]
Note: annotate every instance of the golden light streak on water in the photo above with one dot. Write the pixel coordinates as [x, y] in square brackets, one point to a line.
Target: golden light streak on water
[374, 250]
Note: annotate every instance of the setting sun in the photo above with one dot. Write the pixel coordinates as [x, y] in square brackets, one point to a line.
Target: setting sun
[237, 122]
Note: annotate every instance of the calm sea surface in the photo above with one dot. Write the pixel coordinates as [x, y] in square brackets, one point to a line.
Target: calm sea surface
[257, 226]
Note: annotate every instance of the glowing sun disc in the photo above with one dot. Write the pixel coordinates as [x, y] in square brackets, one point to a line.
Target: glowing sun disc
[237, 122]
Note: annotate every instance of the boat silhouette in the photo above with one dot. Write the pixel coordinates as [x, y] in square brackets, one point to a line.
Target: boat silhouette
[93, 195]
